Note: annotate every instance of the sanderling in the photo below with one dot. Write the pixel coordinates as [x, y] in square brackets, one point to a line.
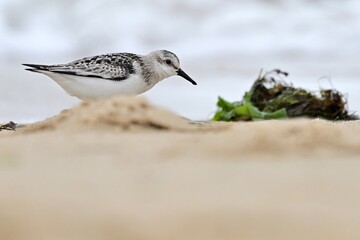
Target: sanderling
[108, 75]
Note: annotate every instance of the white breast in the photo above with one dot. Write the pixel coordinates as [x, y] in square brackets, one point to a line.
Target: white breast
[94, 88]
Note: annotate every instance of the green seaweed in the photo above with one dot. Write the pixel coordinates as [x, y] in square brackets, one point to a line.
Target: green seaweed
[245, 111]
[271, 97]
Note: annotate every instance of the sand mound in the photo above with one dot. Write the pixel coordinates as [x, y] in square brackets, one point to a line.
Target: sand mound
[122, 113]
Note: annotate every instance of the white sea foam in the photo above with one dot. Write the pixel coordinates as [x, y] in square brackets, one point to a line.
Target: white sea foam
[222, 44]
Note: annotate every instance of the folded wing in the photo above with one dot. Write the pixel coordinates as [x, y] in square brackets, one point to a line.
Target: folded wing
[114, 67]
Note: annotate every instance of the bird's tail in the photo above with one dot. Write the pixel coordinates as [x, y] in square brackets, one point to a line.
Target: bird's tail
[36, 67]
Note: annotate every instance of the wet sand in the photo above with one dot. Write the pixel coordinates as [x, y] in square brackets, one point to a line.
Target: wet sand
[124, 169]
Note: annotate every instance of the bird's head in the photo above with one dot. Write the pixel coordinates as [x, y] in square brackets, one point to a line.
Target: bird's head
[168, 64]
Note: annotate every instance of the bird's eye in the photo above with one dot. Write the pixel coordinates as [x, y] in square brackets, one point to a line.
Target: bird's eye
[168, 61]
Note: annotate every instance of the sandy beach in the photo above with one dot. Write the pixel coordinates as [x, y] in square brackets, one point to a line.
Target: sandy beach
[125, 169]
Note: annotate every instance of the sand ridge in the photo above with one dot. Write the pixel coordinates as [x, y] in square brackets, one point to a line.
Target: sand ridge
[119, 113]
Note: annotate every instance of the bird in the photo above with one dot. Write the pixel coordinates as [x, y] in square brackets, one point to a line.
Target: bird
[108, 75]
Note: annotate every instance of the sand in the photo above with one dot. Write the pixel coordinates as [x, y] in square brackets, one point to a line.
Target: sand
[124, 169]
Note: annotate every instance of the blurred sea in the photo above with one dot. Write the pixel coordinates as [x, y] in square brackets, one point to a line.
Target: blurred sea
[221, 44]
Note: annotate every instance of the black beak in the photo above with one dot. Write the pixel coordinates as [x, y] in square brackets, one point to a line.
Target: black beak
[184, 75]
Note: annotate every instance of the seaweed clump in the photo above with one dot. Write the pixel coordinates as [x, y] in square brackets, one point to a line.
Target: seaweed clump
[9, 126]
[271, 97]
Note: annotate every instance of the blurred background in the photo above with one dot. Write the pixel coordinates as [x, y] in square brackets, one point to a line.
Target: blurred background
[221, 44]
